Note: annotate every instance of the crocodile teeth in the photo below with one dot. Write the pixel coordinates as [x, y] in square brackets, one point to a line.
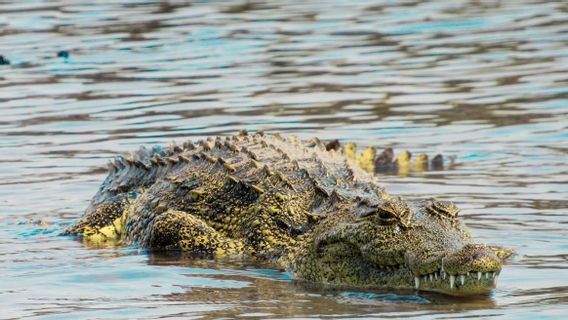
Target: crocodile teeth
[431, 277]
[416, 282]
[443, 275]
[452, 281]
[486, 275]
[495, 279]
[478, 275]
[436, 275]
[462, 279]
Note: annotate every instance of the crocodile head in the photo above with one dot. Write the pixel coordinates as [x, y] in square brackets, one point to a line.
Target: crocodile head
[401, 245]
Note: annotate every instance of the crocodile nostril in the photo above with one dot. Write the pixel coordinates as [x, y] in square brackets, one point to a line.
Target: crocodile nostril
[472, 257]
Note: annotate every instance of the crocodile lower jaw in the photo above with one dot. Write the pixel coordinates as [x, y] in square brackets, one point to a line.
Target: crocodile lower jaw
[471, 283]
[475, 282]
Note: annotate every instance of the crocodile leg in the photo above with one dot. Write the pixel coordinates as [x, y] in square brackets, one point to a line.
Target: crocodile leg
[104, 223]
[175, 229]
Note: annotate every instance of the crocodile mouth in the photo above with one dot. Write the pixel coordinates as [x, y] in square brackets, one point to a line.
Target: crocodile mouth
[473, 282]
[471, 269]
[469, 283]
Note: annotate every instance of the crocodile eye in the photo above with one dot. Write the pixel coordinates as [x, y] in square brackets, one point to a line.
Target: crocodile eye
[388, 217]
[379, 216]
[444, 209]
[389, 212]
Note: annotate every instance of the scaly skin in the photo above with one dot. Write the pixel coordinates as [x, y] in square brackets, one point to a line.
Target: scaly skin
[307, 209]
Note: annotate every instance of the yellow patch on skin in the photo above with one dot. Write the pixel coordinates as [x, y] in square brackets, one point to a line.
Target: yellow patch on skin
[88, 231]
[403, 161]
[366, 160]
[257, 188]
[196, 194]
[96, 238]
[109, 232]
[117, 223]
[93, 237]
[349, 150]
[403, 158]
[419, 164]
[109, 235]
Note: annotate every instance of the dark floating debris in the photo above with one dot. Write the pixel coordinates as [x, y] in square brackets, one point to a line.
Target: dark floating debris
[3, 60]
[63, 54]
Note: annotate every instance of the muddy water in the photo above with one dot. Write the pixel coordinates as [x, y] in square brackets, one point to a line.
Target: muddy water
[484, 81]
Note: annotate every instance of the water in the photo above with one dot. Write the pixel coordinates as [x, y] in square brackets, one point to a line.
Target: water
[484, 81]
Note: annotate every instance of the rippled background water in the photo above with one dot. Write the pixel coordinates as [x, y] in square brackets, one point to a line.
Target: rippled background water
[484, 81]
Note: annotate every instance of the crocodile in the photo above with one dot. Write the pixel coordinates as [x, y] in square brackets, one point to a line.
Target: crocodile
[306, 208]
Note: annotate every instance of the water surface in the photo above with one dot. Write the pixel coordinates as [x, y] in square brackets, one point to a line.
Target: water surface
[484, 81]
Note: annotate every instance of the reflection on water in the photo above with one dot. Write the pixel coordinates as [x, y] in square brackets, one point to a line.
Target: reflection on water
[485, 81]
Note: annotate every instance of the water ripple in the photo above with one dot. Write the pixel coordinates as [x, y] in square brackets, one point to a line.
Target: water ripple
[483, 81]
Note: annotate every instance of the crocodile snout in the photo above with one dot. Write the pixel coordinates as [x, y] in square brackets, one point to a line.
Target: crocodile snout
[474, 268]
[471, 258]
